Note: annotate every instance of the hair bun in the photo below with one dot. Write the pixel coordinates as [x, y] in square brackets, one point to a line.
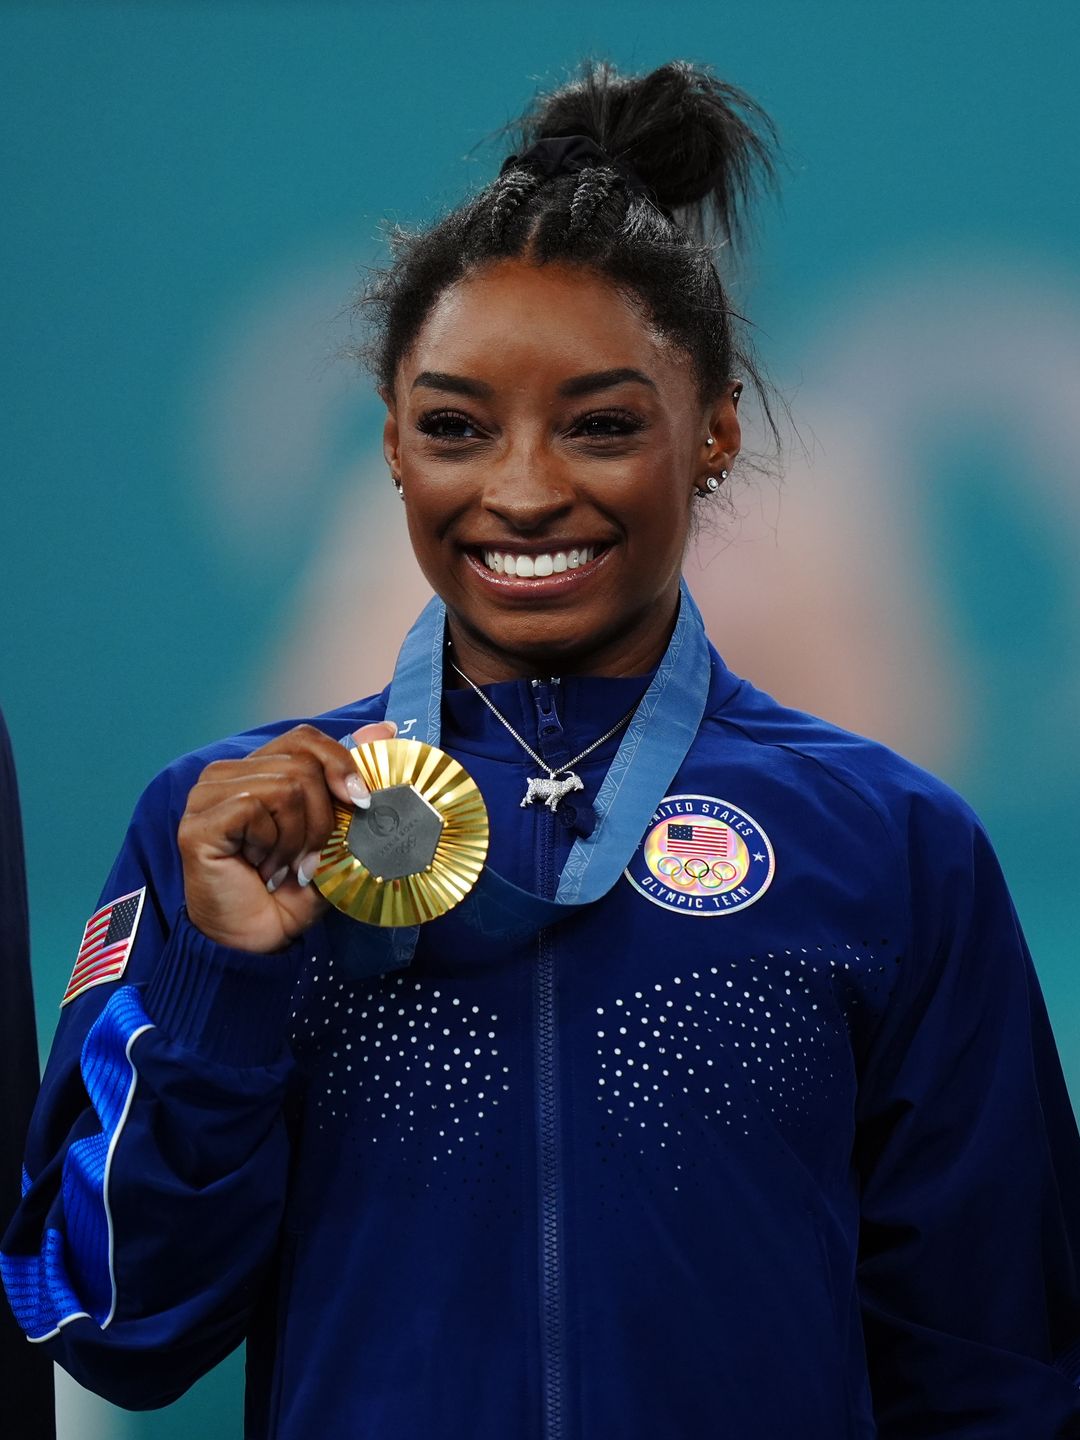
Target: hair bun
[704, 148]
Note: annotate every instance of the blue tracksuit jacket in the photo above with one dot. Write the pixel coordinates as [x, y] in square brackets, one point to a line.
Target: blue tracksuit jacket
[770, 1141]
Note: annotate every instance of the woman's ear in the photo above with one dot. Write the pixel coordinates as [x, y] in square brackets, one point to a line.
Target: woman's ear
[724, 438]
[391, 435]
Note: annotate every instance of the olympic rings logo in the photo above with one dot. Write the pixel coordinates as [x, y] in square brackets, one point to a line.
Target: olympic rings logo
[687, 873]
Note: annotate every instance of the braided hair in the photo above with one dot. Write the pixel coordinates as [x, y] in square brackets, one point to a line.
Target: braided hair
[508, 198]
[683, 156]
[597, 189]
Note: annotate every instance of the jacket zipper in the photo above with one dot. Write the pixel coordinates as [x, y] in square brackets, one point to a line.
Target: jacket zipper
[552, 747]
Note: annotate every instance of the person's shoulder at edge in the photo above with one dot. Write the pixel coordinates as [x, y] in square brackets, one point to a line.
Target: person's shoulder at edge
[897, 790]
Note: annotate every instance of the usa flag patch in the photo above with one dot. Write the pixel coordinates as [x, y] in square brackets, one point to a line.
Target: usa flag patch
[106, 944]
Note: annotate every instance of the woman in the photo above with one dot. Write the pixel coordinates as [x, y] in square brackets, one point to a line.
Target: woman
[734, 1108]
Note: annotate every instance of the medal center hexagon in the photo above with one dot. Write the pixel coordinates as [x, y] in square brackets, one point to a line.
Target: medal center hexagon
[397, 835]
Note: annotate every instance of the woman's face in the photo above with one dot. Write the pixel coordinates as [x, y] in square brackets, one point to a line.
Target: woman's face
[549, 445]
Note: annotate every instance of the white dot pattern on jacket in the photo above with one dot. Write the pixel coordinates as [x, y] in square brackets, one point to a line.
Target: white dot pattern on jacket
[420, 1077]
[399, 1045]
[718, 1047]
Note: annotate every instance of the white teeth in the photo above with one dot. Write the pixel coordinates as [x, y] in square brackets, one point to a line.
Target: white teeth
[541, 566]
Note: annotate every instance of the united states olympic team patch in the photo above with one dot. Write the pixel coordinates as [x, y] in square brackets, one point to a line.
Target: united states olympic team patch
[702, 856]
[106, 944]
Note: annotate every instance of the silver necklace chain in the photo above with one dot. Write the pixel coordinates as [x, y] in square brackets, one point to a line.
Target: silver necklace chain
[551, 790]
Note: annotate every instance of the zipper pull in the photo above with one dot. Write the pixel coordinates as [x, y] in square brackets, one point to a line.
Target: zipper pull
[548, 725]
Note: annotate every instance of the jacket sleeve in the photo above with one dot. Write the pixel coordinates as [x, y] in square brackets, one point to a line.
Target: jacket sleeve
[970, 1168]
[158, 1155]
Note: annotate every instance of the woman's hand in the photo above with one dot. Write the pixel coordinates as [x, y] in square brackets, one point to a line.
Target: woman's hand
[252, 831]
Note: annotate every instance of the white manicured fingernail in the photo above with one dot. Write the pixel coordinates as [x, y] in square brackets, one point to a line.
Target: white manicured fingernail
[307, 867]
[358, 792]
[276, 879]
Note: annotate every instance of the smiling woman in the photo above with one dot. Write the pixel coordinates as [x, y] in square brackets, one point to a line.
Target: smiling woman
[731, 1065]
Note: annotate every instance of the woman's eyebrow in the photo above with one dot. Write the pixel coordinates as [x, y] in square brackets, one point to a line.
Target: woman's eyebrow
[603, 380]
[578, 385]
[458, 384]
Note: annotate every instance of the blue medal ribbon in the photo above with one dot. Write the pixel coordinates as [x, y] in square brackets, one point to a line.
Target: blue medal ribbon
[653, 747]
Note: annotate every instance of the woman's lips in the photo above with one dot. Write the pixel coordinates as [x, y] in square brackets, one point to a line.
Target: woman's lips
[555, 579]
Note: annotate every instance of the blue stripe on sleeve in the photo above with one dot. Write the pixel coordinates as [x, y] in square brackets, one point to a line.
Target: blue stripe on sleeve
[39, 1290]
[72, 1276]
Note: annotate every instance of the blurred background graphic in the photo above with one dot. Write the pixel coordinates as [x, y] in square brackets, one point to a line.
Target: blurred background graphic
[198, 528]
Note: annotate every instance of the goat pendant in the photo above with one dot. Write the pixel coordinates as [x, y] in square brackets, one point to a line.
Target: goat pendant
[550, 790]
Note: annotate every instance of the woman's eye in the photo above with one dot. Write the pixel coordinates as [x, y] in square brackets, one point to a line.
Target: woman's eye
[448, 425]
[604, 424]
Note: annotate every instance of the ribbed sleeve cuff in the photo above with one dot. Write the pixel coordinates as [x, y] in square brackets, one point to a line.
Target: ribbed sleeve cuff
[230, 1006]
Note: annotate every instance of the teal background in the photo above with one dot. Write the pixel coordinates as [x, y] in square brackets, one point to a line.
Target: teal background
[190, 187]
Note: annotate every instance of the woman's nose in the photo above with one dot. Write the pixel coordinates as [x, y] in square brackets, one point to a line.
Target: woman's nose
[527, 492]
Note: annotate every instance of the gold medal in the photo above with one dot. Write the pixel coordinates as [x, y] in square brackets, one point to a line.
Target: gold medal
[418, 849]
